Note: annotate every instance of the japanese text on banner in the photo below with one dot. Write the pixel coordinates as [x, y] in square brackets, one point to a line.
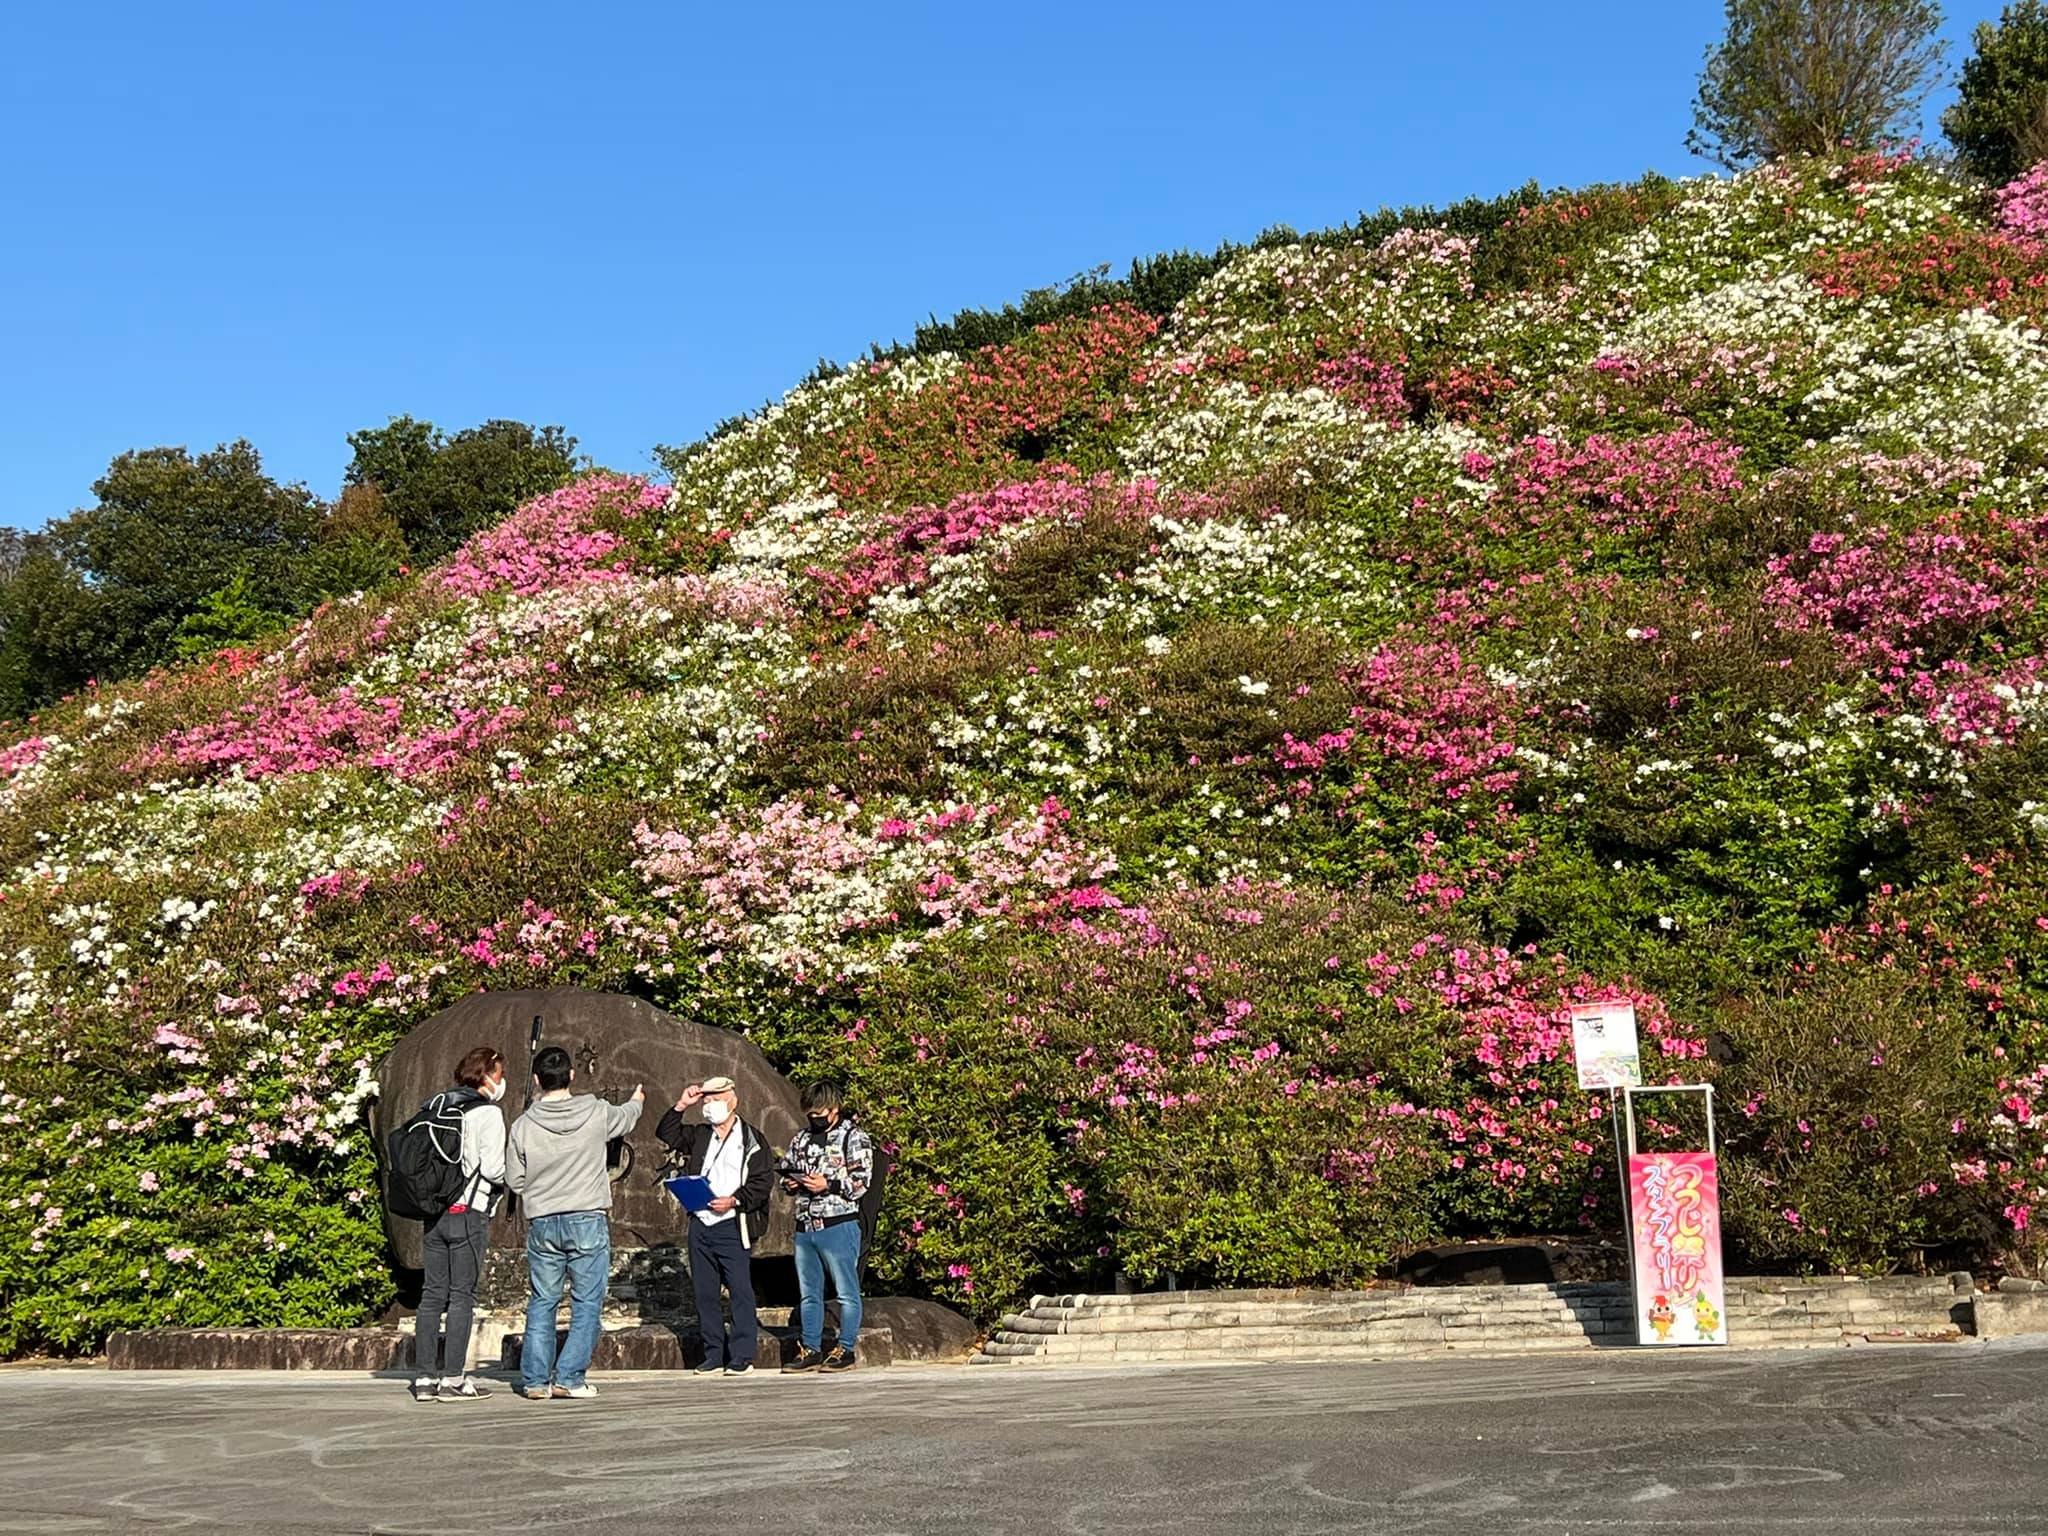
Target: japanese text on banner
[1675, 1221]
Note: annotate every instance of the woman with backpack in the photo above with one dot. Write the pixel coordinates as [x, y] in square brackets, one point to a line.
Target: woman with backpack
[458, 1237]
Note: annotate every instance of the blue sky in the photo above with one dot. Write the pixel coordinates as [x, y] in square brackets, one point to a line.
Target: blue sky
[289, 221]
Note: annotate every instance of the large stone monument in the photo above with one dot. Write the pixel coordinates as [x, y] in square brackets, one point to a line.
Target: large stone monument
[616, 1042]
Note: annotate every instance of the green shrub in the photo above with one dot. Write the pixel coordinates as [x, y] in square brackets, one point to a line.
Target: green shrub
[1835, 1124]
[1244, 1183]
[865, 726]
[1043, 578]
[1540, 244]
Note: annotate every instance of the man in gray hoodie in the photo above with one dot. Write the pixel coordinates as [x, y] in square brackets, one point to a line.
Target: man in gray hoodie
[555, 1163]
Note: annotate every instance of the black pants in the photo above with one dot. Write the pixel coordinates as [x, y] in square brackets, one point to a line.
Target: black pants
[717, 1261]
[453, 1253]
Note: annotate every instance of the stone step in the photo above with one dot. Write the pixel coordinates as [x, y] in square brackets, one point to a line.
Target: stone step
[1308, 1317]
[1098, 1321]
[1383, 1320]
[1533, 1309]
[1368, 1304]
[1249, 1340]
[1142, 1299]
[1618, 1320]
[1402, 1331]
[1149, 1351]
[1907, 1290]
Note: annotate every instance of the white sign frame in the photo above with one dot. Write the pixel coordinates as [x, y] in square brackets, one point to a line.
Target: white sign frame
[1605, 1047]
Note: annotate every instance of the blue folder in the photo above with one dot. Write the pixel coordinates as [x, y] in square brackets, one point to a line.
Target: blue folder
[692, 1192]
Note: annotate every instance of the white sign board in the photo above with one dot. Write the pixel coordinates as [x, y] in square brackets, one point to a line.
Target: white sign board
[1604, 1045]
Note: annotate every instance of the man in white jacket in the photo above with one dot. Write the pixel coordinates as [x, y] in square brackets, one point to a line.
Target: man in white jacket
[457, 1240]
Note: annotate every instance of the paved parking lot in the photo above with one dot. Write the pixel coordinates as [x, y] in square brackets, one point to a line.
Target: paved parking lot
[1946, 1440]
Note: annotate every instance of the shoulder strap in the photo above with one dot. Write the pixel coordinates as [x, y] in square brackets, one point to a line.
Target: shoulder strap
[481, 1182]
[461, 1100]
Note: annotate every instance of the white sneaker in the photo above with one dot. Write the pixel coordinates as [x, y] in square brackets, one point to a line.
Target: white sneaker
[586, 1390]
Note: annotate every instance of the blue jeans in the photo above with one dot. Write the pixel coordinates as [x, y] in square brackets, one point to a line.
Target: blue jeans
[834, 1251]
[577, 1244]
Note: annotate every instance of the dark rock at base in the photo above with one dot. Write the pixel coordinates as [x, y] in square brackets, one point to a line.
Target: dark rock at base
[923, 1331]
[648, 1347]
[260, 1349]
[893, 1329]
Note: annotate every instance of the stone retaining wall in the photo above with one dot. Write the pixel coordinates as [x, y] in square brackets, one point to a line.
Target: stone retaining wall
[1205, 1325]
[260, 1349]
[1493, 1319]
[2016, 1307]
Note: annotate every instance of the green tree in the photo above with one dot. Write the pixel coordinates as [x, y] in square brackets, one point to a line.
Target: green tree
[1999, 121]
[1807, 77]
[54, 628]
[359, 548]
[438, 490]
[227, 616]
[169, 531]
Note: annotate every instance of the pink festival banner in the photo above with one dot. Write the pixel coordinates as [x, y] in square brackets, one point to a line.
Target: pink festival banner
[1674, 1203]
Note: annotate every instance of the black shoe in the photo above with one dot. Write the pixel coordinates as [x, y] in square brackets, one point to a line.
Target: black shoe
[803, 1360]
[744, 1368]
[841, 1359]
[465, 1390]
[709, 1368]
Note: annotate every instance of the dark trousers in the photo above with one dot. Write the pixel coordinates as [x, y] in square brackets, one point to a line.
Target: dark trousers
[717, 1261]
[453, 1252]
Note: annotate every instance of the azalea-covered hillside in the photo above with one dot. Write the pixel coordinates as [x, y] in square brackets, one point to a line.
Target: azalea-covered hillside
[1177, 762]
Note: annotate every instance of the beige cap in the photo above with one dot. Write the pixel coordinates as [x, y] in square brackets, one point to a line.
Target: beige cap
[719, 1085]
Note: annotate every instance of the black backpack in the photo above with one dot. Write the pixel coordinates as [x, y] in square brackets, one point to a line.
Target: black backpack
[423, 1157]
[879, 1169]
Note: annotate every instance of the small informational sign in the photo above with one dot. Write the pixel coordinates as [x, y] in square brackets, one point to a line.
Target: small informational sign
[1675, 1228]
[1604, 1045]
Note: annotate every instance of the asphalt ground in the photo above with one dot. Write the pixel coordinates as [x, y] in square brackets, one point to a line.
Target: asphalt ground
[1948, 1440]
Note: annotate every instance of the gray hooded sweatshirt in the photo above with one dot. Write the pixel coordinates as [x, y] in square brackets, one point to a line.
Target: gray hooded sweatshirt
[554, 1158]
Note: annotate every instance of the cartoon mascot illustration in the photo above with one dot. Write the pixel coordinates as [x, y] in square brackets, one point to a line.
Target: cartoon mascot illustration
[1706, 1317]
[1661, 1317]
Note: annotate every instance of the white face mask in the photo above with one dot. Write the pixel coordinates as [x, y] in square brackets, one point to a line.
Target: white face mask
[716, 1111]
[495, 1091]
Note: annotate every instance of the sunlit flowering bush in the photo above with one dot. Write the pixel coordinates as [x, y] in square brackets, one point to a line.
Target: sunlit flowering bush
[1180, 764]
[1968, 384]
[1000, 412]
[2023, 202]
[803, 892]
[1246, 1078]
[555, 541]
[1949, 269]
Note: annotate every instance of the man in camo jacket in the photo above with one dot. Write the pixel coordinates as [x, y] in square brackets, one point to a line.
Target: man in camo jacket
[828, 1168]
